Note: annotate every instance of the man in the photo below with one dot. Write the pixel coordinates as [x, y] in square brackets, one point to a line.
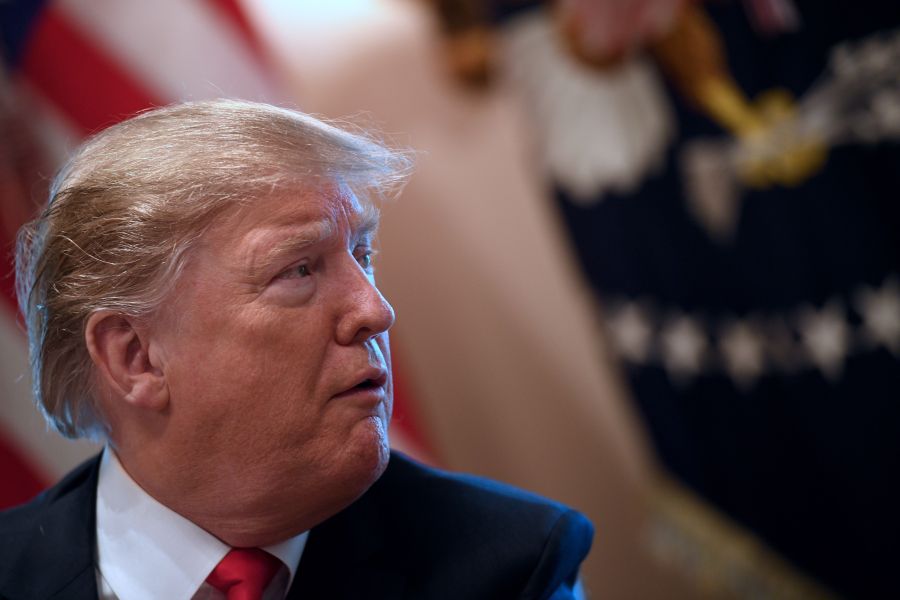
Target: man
[199, 292]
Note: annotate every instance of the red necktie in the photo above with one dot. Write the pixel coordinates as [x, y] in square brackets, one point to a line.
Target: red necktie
[244, 573]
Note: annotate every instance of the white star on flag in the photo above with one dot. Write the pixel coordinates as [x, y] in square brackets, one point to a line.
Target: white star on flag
[826, 337]
[742, 349]
[629, 326]
[886, 110]
[683, 347]
[880, 309]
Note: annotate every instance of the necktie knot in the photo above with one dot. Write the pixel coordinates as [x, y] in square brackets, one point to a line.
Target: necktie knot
[244, 573]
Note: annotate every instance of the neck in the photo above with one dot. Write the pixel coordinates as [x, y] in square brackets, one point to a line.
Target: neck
[237, 519]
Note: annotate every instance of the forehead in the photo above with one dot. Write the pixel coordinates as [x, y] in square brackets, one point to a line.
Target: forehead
[324, 207]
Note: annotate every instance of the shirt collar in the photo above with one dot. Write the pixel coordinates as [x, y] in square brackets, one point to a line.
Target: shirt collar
[147, 550]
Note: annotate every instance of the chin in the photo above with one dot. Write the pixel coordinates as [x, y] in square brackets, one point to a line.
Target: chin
[309, 496]
[365, 456]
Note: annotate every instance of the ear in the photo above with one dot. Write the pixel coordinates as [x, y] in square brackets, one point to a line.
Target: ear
[121, 352]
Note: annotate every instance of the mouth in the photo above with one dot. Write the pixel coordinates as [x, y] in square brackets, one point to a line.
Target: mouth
[370, 384]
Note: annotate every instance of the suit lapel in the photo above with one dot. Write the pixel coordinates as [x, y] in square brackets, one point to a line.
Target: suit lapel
[57, 557]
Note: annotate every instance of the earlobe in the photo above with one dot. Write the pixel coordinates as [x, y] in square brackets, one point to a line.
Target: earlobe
[125, 362]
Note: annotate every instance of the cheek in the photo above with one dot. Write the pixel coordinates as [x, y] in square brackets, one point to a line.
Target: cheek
[248, 362]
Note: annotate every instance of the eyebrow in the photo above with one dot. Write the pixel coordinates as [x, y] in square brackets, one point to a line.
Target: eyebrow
[368, 222]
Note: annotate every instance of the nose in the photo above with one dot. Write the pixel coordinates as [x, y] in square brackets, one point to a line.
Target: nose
[366, 312]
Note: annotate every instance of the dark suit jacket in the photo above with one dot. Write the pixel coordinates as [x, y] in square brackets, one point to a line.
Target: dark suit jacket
[417, 533]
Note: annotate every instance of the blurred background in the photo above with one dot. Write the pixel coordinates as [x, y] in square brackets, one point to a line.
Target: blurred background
[648, 264]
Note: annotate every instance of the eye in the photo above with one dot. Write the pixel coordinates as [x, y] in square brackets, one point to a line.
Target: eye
[301, 271]
[364, 257]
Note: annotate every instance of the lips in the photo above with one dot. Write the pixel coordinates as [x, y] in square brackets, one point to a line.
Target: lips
[373, 379]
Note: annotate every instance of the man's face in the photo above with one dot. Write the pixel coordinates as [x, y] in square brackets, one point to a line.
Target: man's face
[275, 353]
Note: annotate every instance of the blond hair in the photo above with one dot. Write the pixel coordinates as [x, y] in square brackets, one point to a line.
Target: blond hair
[125, 211]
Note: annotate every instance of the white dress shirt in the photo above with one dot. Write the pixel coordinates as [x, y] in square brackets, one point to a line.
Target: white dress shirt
[146, 551]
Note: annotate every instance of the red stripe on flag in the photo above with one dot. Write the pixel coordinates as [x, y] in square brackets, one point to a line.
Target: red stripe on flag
[22, 184]
[21, 479]
[8, 278]
[78, 78]
[232, 10]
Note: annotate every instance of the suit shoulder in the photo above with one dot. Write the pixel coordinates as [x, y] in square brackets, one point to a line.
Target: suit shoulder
[20, 520]
[458, 496]
[47, 545]
[521, 543]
